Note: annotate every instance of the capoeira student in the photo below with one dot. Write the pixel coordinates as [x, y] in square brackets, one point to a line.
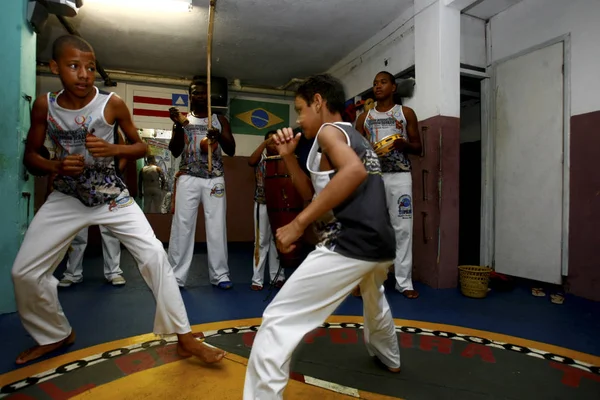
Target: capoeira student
[197, 185]
[356, 241]
[264, 241]
[82, 121]
[386, 119]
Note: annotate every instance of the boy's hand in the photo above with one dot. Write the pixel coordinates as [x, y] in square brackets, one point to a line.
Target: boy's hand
[99, 147]
[287, 235]
[71, 165]
[213, 134]
[286, 141]
[176, 116]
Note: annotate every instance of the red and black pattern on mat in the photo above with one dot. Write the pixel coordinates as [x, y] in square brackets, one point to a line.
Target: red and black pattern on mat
[435, 364]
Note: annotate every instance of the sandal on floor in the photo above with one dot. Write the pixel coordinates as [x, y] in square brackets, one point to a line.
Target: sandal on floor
[410, 294]
[538, 292]
[557, 298]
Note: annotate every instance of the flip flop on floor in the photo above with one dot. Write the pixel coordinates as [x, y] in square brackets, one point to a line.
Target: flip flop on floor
[557, 298]
[411, 294]
[538, 292]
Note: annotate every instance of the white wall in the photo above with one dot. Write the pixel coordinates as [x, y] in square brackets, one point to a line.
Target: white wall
[472, 41]
[396, 44]
[533, 22]
[245, 144]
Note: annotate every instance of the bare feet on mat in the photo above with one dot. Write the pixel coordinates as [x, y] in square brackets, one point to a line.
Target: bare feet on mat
[356, 292]
[382, 365]
[38, 351]
[188, 346]
[410, 294]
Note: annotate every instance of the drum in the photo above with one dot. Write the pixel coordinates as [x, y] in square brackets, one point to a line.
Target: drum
[385, 145]
[284, 203]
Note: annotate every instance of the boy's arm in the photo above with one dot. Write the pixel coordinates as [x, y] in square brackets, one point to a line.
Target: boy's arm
[350, 173]
[413, 145]
[225, 139]
[257, 155]
[118, 112]
[286, 142]
[33, 160]
[360, 125]
[177, 142]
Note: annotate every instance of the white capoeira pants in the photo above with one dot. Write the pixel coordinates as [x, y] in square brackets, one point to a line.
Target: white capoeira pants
[191, 192]
[111, 251]
[51, 232]
[398, 190]
[266, 247]
[310, 295]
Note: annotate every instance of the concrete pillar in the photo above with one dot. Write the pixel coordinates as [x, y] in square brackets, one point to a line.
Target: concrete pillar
[435, 175]
[18, 45]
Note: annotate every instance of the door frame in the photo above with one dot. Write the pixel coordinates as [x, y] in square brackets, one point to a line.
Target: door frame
[488, 145]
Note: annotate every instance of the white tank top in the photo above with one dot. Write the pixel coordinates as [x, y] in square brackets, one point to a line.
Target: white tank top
[67, 129]
[380, 125]
[193, 161]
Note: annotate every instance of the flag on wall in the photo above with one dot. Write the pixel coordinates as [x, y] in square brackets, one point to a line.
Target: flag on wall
[156, 104]
[252, 117]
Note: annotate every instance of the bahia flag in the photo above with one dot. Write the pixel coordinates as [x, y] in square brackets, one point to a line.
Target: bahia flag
[153, 106]
[251, 117]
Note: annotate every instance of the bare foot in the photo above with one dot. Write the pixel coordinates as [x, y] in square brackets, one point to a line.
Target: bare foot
[188, 346]
[410, 294]
[356, 292]
[382, 365]
[38, 351]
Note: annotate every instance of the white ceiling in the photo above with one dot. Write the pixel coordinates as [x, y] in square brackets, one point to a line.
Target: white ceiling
[486, 9]
[261, 42]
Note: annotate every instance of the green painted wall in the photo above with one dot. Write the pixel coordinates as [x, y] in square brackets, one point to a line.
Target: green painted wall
[17, 69]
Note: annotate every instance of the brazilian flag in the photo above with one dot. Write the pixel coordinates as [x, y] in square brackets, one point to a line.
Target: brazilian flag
[251, 117]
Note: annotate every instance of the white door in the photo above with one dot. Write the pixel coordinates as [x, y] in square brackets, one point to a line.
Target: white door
[528, 184]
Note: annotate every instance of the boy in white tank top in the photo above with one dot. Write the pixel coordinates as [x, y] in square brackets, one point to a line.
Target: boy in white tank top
[356, 241]
[387, 119]
[197, 185]
[82, 120]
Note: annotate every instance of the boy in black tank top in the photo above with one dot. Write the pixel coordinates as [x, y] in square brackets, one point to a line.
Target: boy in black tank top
[356, 241]
[88, 191]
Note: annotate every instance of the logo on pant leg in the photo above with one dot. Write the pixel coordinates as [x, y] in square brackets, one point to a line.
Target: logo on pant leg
[218, 190]
[405, 207]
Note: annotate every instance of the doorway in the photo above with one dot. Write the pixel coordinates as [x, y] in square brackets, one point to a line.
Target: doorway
[470, 171]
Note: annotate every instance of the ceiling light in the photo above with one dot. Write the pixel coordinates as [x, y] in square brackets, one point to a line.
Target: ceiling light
[149, 5]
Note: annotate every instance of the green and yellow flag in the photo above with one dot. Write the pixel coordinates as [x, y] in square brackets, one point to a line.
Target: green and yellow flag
[251, 117]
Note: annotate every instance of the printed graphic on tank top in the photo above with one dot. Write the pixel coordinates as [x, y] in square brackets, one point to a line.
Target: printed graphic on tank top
[100, 182]
[360, 227]
[380, 125]
[193, 161]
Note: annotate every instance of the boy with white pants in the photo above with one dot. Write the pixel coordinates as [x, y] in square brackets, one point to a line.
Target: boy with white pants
[111, 253]
[82, 121]
[264, 241]
[197, 185]
[356, 241]
[385, 120]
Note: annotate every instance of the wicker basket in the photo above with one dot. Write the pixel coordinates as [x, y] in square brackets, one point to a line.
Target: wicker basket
[474, 280]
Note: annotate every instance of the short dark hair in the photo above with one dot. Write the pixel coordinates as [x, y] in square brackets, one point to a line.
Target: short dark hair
[391, 77]
[269, 134]
[328, 87]
[64, 41]
[197, 81]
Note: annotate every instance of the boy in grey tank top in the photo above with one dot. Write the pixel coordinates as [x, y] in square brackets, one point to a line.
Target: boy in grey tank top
[356, 241]
[82, 121]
